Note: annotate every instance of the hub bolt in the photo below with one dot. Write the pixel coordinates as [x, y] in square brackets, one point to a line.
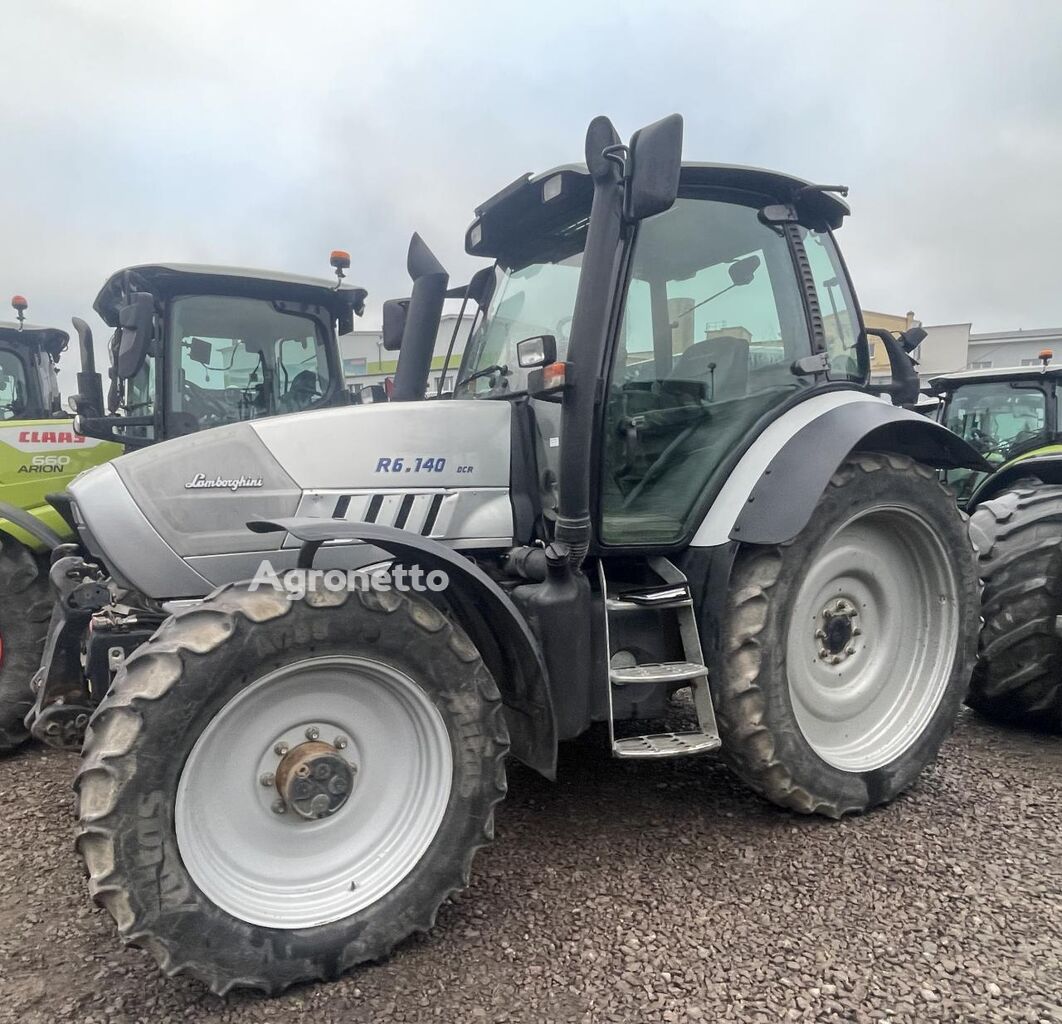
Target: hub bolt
[313, 732]
[280, 749]
[340, 743]
[849, 650]
[267, 778]
[279, 807]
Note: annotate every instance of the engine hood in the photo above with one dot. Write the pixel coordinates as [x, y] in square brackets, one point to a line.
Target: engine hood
[170, 519]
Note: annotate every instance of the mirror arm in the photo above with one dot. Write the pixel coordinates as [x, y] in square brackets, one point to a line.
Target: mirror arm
[905, 384]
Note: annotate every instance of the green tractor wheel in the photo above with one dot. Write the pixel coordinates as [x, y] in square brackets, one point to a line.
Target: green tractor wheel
[1018, 678]
[25, 607]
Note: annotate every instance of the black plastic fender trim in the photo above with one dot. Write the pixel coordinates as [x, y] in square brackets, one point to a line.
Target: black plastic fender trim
[784, 498]
[30, 524]
[486, 613]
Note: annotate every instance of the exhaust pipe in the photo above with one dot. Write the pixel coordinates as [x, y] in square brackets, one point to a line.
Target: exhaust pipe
[430, 281]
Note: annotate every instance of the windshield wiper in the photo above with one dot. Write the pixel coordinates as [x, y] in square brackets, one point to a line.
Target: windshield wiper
[503, 370]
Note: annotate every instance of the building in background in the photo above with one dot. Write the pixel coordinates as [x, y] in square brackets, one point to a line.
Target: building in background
[366, 361]
[944, 349]
[1012, 348]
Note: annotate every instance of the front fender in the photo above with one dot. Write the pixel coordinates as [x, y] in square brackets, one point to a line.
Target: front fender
[778, 489]
[485, 612]
[1046, 468]
[28, 529]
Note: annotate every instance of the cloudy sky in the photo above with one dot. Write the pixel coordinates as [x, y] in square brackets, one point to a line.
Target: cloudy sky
[267, 133]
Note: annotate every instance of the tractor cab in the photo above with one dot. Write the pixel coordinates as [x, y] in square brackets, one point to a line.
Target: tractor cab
[201, 346]
[713, 332]
[29, 357]
[1009, 415]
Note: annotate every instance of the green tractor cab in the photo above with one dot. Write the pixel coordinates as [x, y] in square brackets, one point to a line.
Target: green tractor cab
[1011, 416]
[193, 347]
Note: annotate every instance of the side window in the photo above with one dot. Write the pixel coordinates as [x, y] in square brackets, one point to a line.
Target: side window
[13, 395]
[840, 324]
[712, 325]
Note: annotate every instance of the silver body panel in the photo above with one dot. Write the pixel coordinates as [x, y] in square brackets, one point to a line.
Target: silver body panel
[170, 519]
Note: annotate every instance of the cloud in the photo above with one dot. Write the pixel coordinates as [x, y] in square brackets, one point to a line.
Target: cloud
[268, 133]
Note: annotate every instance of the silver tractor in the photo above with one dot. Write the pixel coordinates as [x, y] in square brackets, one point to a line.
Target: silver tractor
[662, 497]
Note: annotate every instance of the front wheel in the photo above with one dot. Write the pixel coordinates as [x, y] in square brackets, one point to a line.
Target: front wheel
[277, 790]
[848, 651]
[25, 608]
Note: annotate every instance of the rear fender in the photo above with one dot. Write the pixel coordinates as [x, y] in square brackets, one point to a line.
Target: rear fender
[485, 612]
[772, 492]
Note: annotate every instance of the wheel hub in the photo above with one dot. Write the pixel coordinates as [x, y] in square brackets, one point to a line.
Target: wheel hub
[313, 780]
[837, 626]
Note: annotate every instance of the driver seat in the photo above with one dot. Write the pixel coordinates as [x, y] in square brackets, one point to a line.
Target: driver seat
[721, 363]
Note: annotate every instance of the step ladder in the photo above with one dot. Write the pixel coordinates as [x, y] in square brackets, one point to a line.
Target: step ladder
[671, 595]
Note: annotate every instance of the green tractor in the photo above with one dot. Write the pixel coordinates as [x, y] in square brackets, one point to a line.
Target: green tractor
[194, 347]
[40, 452]
[1011, 416]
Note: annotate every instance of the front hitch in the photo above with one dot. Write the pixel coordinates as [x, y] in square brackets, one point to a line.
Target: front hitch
[62, 704]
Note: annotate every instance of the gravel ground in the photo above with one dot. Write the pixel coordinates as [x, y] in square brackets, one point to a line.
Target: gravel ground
[648, 892]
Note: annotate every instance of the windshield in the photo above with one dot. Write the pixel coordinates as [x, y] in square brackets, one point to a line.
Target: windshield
[997, 418]
[1000, 420]
[13, 403]
[529, 299]
[242, 358]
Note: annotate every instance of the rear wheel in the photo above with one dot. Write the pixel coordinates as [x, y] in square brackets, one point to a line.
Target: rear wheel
[275, 791]
[1018, 678]
[848, 650]
[25, 608]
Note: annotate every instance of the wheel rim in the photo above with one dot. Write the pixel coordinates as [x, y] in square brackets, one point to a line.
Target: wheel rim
[863, 689]
[282, 870]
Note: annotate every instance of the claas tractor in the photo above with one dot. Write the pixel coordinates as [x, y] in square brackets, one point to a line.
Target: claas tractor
[1011, 416]
[662, 501]
[193, 347]
[40, 452]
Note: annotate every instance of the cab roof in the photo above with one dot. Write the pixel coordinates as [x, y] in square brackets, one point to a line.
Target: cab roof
[167, 280]
[522, 200]
[949, 381]
[50, 339]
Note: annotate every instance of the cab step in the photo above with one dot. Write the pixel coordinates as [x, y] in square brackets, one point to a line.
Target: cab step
[657, 672]
[672, 596]
[665, 744]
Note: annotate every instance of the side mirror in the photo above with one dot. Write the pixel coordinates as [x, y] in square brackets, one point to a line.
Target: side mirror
[395, 312]
[912, 338]
[655, 164]
[371, 394]
[89, 398]
[200, 351]
[744, 270]
[538, 351]
[136, 322]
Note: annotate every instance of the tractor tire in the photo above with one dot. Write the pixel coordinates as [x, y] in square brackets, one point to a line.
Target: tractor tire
[847, 651]
[205, 857]
[1018, 677]
[25, 610]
